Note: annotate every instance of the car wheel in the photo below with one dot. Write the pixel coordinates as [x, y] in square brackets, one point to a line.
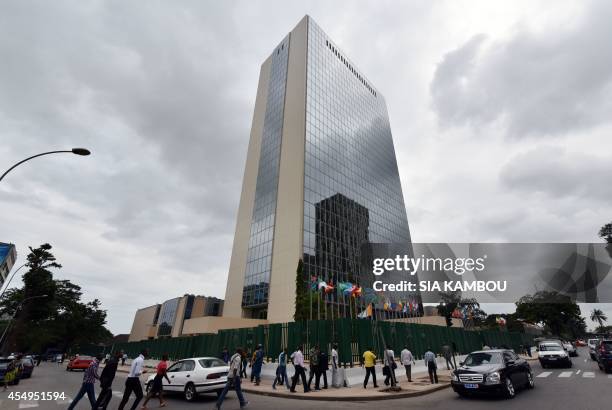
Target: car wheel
[148, 387]
[190, 392]
[530, 381]
[569, 364]
[509, 390]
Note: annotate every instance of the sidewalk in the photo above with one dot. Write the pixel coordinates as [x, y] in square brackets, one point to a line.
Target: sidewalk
[419, 386]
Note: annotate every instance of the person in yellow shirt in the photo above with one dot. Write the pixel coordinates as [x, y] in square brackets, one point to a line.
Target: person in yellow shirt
[369, 361]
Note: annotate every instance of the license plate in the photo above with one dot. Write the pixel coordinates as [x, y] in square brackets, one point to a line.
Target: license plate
[552, 358]
[470, 386]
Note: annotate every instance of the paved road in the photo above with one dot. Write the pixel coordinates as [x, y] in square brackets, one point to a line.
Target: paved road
[583, 387]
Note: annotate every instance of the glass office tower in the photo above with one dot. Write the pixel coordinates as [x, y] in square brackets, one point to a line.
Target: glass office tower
[321, 180]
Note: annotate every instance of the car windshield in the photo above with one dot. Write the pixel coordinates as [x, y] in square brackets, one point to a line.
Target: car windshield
[607, 345]
[550, 347]
[84, 358]
[477, 359]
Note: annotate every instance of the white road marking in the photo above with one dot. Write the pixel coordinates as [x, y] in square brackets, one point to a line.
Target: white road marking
[578, 371]
[544, 374]
[588, 374]
[117, 393]
[565, 374]
[609, 377]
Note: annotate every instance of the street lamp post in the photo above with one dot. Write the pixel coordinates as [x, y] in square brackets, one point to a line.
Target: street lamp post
[77, 151]
[8, 282]
[6, 329]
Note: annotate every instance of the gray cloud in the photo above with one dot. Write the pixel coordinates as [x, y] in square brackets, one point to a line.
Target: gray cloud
[557, 173]
[535, 82]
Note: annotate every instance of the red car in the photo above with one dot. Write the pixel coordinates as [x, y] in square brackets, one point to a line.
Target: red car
[79, 363]
[580, 342]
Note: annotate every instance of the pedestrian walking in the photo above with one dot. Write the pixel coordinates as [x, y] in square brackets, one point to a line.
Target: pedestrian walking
[313, 362]
[158, 383]
[123, 359]
[335, 373]
[245, 363]
[281, 371]
[323, 367]
[432, 366]
[106, 381]
[257, 364]
[369, 362]
[390, 366]
[407, 360]
[251, 363]
[89, 378]
[225, 355]
[132, 383]
[233, 380]
[11, 373]
[448, 354]
[298, 362]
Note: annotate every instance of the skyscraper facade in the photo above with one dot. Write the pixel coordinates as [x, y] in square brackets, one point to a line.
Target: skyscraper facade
[321, 180]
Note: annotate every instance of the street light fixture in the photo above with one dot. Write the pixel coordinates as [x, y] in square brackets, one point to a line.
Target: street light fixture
[76, 151]
[8, 325]
[8, 282]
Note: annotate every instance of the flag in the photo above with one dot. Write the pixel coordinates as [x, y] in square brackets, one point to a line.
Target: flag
[369, 310]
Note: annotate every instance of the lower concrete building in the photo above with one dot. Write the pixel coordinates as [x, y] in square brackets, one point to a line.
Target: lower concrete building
[169, 318]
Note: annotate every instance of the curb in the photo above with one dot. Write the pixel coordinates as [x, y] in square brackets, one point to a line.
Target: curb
[314, 397]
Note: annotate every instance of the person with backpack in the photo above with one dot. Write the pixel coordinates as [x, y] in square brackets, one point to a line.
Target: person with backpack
[323, 367]
[281, 371]
[106, 381]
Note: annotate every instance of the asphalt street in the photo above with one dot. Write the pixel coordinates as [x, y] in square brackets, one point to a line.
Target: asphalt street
[583, 386]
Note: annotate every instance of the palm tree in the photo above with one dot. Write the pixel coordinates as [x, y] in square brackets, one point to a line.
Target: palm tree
[598, 316]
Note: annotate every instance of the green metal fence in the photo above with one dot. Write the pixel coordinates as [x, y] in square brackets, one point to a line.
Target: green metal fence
[353, 337]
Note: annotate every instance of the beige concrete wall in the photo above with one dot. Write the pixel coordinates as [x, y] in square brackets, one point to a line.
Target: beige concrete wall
[287, 248]
[429, 320]
[212, 324]
[235, 280]
[199, 304]
[143, 321]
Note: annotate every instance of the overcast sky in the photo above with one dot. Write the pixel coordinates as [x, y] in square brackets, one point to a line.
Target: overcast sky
[500, 113]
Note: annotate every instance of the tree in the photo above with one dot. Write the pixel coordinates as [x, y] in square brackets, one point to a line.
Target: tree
[301, 294]
[450, 301]
[58, 319]
[557, 312]
[597, 315]
[606, 232]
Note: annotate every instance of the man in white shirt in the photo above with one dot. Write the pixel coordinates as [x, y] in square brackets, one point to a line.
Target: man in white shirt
[335, 364]
[132, 383]
[233, 380]
[407, 360]
[298, 363]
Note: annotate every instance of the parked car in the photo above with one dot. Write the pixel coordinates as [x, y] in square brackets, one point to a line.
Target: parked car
[570, 348]
[79, 363]
[604, 355]
[593, 343]
[27, 367]
[194, 376]
[14, 372]
[492, 371]
[551, 353]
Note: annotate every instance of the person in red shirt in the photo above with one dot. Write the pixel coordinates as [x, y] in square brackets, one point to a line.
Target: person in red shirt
[158, 386]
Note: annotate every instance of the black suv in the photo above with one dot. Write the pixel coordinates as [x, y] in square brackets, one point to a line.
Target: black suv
[492, 371]
[603, 352]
